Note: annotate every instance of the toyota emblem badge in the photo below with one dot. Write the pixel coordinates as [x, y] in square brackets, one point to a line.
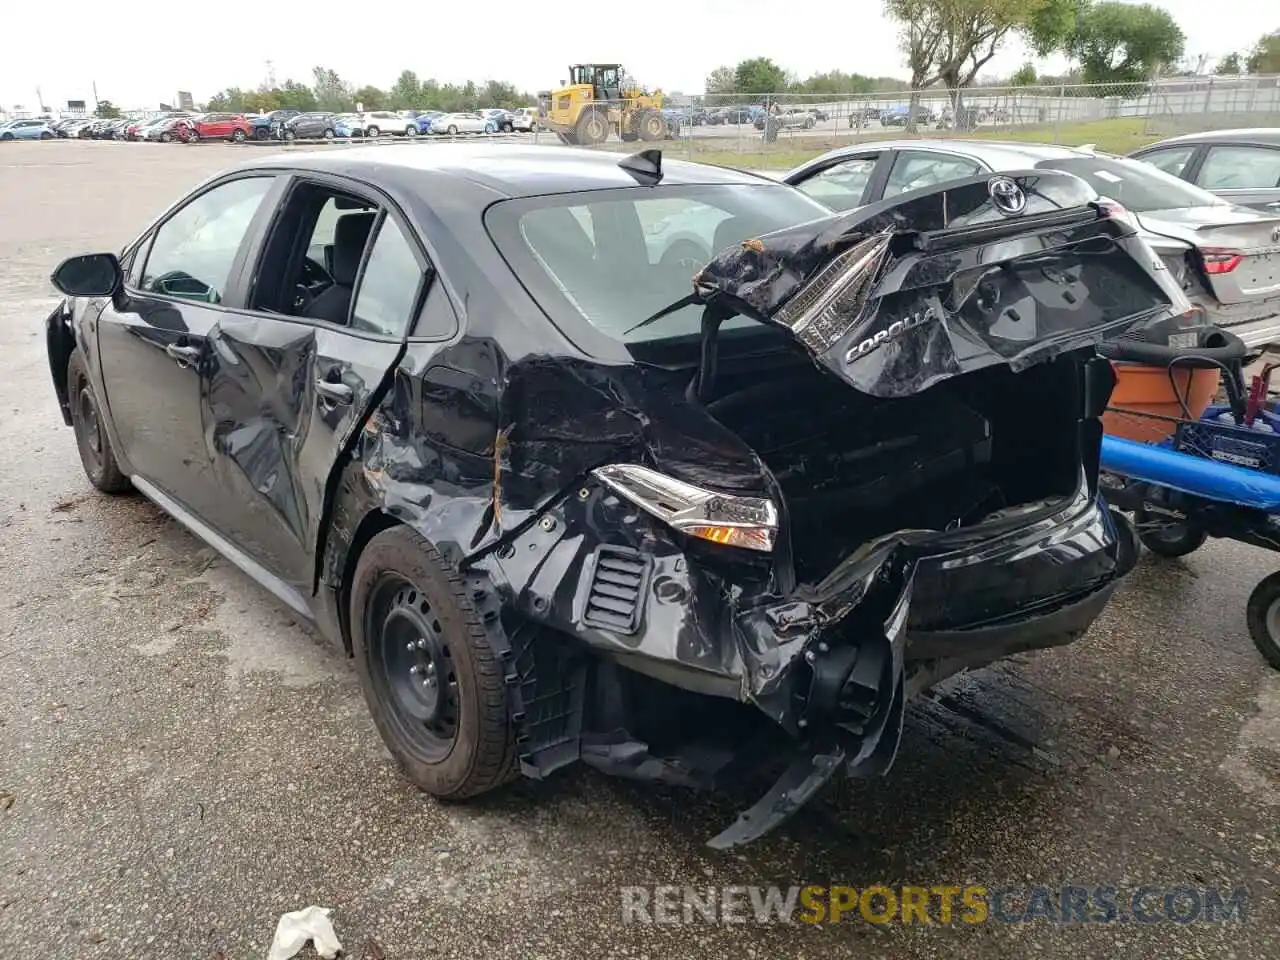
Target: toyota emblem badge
[1007, 196]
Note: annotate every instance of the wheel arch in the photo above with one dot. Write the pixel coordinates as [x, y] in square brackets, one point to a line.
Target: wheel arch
[345, 560]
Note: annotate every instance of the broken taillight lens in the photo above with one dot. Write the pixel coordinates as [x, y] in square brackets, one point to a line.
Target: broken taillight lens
[1219, 260]
[747, 522]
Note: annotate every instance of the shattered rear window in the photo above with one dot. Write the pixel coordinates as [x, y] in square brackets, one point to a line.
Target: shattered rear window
[615, 257]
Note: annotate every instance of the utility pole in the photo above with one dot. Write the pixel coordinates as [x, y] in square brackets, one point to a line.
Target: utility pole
[95, 95]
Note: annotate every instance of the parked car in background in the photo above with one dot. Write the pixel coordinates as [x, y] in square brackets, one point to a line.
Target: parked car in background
[26, 130]
[316, 125]
[863, 116]
[502, 120]
[424, 118]
[525, 119]
[379, 122]
[452, 124]
[349, 125]
[897, 116]
[220, 126]
[793, 118]
[1241, 166]
[166, 130]
[735, 115]
[1222, 255]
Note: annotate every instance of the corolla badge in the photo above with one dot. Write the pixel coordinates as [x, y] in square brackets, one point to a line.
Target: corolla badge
[1007, 196]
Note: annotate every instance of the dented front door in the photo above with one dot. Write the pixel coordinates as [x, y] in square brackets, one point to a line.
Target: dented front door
[281, 397]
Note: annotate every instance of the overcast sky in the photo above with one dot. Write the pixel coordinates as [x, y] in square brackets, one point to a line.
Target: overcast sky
[138, 55]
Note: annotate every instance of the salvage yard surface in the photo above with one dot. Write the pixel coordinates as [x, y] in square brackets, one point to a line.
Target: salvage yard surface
[181, 761]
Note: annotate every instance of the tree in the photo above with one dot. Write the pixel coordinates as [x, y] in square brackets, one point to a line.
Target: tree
[1125, 43]
[406, 92]
[1265, 57]
[331, 93]
[722, 85]
[106, 110]
[1228, 66]
[1024, 76]
[371, 98]
[949, 41]
[759, 75]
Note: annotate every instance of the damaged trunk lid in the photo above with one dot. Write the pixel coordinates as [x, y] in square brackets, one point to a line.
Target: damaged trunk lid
[1013, 269]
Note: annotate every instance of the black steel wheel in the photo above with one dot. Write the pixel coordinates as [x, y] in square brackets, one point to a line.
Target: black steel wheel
[96, 454]
[1169, 540]
[1263, 616]
[430, 675]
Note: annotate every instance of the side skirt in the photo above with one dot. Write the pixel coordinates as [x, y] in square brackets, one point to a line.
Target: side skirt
[250, 567]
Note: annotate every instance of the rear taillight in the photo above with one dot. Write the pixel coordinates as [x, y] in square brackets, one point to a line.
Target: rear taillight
[1219, 260]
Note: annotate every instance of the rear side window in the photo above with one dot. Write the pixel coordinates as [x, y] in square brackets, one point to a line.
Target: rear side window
[1172, 160]
[1240, 168]
[841, 186]
[915, 170]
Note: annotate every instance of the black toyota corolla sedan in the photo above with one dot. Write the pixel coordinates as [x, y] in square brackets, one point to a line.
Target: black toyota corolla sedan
[651, 465]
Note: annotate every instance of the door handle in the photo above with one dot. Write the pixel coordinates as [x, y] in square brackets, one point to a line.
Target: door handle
[186, 356]
[334, 392]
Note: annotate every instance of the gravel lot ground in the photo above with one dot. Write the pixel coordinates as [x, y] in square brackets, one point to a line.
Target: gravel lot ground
[181, 761]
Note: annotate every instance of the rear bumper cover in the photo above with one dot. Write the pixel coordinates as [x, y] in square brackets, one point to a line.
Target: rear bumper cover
[939, 602]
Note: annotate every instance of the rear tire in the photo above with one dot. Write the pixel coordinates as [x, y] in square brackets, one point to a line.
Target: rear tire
[329, 134]
[430, 676]
[453, 130]
[372, 131]
[96, 453]
[46, 136]
[261, 133]
[1171, 540]
[1263, 616]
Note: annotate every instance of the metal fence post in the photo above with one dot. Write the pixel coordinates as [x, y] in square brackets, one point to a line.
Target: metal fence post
[1057, 114]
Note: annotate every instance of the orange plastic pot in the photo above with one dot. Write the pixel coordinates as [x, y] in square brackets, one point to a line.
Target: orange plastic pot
[1141, 389]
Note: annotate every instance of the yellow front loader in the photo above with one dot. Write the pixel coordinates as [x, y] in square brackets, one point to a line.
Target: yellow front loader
[598, 101]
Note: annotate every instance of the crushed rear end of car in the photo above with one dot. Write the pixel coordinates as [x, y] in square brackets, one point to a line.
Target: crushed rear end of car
[808, 542]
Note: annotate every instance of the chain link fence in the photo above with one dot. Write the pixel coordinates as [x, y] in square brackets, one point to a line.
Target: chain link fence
[776, 130]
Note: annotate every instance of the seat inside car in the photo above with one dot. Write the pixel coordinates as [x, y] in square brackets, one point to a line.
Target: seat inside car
[350, 234]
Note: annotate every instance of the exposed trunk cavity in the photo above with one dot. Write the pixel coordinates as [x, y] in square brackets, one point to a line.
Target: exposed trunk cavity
[852, 468]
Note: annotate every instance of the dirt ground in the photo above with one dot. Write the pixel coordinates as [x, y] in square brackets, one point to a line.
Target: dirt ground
[181, 761]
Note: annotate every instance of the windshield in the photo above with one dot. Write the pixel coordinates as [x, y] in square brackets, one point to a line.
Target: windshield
[1135, 185]
[618, 256]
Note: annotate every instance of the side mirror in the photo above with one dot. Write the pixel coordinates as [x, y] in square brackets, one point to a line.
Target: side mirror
[89, 275]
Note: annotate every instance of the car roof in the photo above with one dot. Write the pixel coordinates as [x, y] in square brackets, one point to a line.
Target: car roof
[997, 154]
[513, 170]
[1261, 135]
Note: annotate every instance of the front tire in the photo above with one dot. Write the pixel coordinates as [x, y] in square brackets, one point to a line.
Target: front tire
[372, 131]
[238, 135]
[430, 676]
[46, 136]
[329, 134]
[96, 453]
[1263, 616]
[453, 130]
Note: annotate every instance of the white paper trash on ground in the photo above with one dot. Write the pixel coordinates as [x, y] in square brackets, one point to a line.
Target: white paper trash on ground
[295, 929]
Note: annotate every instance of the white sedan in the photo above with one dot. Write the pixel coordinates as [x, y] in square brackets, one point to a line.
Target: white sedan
[455, 123]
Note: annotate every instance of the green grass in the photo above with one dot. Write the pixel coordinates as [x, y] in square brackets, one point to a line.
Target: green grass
[1118, 135]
